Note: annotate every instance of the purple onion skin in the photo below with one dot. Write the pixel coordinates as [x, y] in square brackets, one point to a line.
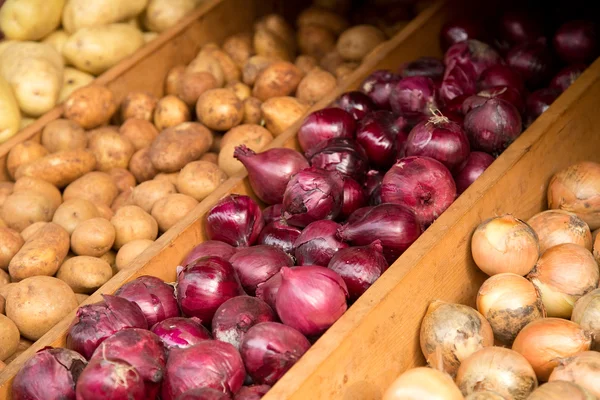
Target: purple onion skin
[458, 30]
[373, 181]
[206, 284]
[577, 42]
[318, 243]
[180, 332]
[272, 213]
[459, 80]
[96, 322]
[567, 76]
[270, 349]
[279, 234]
[506, 93]
[519, 27]
[339, 154]
[356, 103]
[49, 374]
[154, 297]
[501, 75]
[267, 291]
[538, 102]
[358, 214]
[255, 265]
[110, 379]
[429, 67]
[210, 248]
[254, 392]
[203, 394]
[325, 124]
[236, 220]
[473, 52]
[414, 96]
[211, 363]
[270, 171]
[376, 135]
[378, 86]
[359, 267]
[471, 169]
[455, 105]
[354, 198]
[311, 298]
[533, 61]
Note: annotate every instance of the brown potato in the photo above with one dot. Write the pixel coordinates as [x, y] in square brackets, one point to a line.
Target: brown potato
[110, 257]
[123, 199]
[254, 66]
[40, 255]
[63, 134]
[138, 105]
[22, 154]
[9, 337]
[4, 278]
[322, 17]
[356, 42]
[81, 297]
[6, 188]
[315, 85]
[111, 150]
[205, 62]
[219, 109]
[31, 230]
[254, 136]
[306, 63]
[241, 90]
[6, 289]
[216, 144]
[2, 306]
[315, 40]
[331, 61]
[279, 26]
[268, 44]
[171, 209]
[70, 213]
[133, 223]
[141, 166]
[231, 71]
[170, 111]
[193, 84]
[122, 178]
[29, 184]
[280, 113]
[176, 146]
[278, 79]
[60, 168]
[90, 106]
[28, 305]
[10, 243]
[147, 193]
[210, 157]
[140, 132]
[239, 47]
[104, 211]
[173, 78]
[171, 177]
[84, 274]
[95, 186]
[93, 237]
[198, 179]
[22, 209]
[130, 251]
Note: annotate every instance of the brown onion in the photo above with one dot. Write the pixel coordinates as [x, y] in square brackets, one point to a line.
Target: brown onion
[497, 369]
[587, 314]
[485, 395]
[582, 368]
[452, 332]
[509, 302]
[561, 390]
[544, 341]
[423, 384]
[505, 244]
[577, 189]
[563, 274]
[557, 226]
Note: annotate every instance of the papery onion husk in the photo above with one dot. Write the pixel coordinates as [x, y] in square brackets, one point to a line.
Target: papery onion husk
[180, 332]
[413, 97]
[255, 265]
[279, 234]
[340, 154]
[452, 332]
[505, 244]
[561, 390]
[317, 243]
[203, 394]
[497, 369]
[479, 55]
[509, 302]
[471, 169]
[376, 133]
[268, 291]
[423, 383]
[353, 198]
[533, 61]
[356, 103]
[209, 248]
[458, 30]
[110, 379]
[555, 227]
[459, 80]
[567, 76]
[485, 395]
[501, 75]
[271, 214]
[254, 392]
[582, 369]
[544, 341]
[429, 67]
[587, 314]
[538, 102]
[325, 124]
[506, 93]
[378, 87]
[236, 220]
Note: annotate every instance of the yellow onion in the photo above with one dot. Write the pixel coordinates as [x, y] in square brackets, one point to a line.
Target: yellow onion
[452, 332]
[505, 244]
[423, 384]
[487, 395]
[509, 302]
[563, 274]
[582, 368]
[561, 390]
[499, 370]
[587, 314]
[577, 189]
[544, 341]
[558, 226]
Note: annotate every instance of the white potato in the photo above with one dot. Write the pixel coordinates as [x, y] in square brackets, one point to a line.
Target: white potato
[163, 14]
[73, 79]
[30, 19]
[80, 14]
[57, 39]
[10, 117]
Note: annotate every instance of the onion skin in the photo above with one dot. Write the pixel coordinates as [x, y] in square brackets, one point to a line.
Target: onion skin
[254, 392]
[554, 227]
[268, 291]
[209, 248]
[423, 383]
[271, 214]
[236, 220]
[501, 75]
[459, 80]
[506, 93]
[203, 394]
[180, 332]
[561, 390]
[429, 67]
[375, 133]
[353, 198]
[533, 61]
[279, 234]
[586, 313]
[458, 30]
[378, 87]
[255, 265]
[325, 124]
[544, 341]
[582, 369]
[318, 243]
[471, 169]
[479, 55]
[414, 96]
[110, 379]
[519, 27]
[497, 369]
[576, 42]
[356, 103]
[339, 154]
[538, 102]
[567, 76]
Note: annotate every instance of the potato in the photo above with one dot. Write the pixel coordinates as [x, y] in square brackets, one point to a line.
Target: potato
[93, 237]
[25, 208]
[24, 344]
[280, 113]
[331, 61]
[322, 17]
[60, 168]
[356, 42]
[254, 66]
[38, 303]
[9, 337]
[111, 150]
[315, 40]
[40, 255]
[83, 13]
[268, 44]
[216, 144]
[193, 84]
[6, 289]
[4, 278]
[239, 47]
[63, 134]
[173, 79]
[70, 213]
[277, 24]
[81, 297]
[209, 157]
[2, 306]
[31, 230]
[96, 49]
[171, 177]
[278, 79]
[10, 243]
[90, 106]
[306, 63]
[123, 199]
[24, 153]
[252, 113]
[133, 223]
[176, 146]
[85, 274]
[130, 251]
[10, 115]
[141, 166]
[140, 132]
[241, 90]
[73, 79]
[56, 39]
[147, 193]
[138, 105]
[198, 179]
[170, 210]
[28, 184]
[253, 136]
[6, 188]
[104, 211]
[219, 109]
[343, 71]
[30, 19]
[163, 14]
[231, 71]
[110, 257]
[95, 186]
[122, 178]
[205, 62]
[315, 85]
[170, 111]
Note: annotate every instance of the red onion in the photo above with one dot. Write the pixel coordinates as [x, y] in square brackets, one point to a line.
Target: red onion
[272, 213]
[414, 96]
[492, 126]
[256, 264]
[577, 42]
[506, 93]
[180, 333]
[455, 105]
[359, 267]
[268, 291]
[373, 181]
[422, 184]
[455, 117]
[459, 80]
[203, 394]
[340, 154]
[429, 67]
[501, 75]
[236, 220]
[356, 103]
[279, 234]
[533, 61]
[49, 374]
[354, 197]
[440, 139]
[376, 133]
[209, 248]
[378, 87]
[270, 171]
[519, 27]
[270, 349]
[254, 392]
[538, 102]
[311, 195]
[325, 124]
[154, 297]
[459, 30]
[95, 322]
[209, 364]
[110, 379]
[204, 285]
[318, 243]
[140, 348]
[395, 225]
[358, 214]
[472, 52]
[311, 298]
[471, 169]
[567, 76]
[236, 316]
